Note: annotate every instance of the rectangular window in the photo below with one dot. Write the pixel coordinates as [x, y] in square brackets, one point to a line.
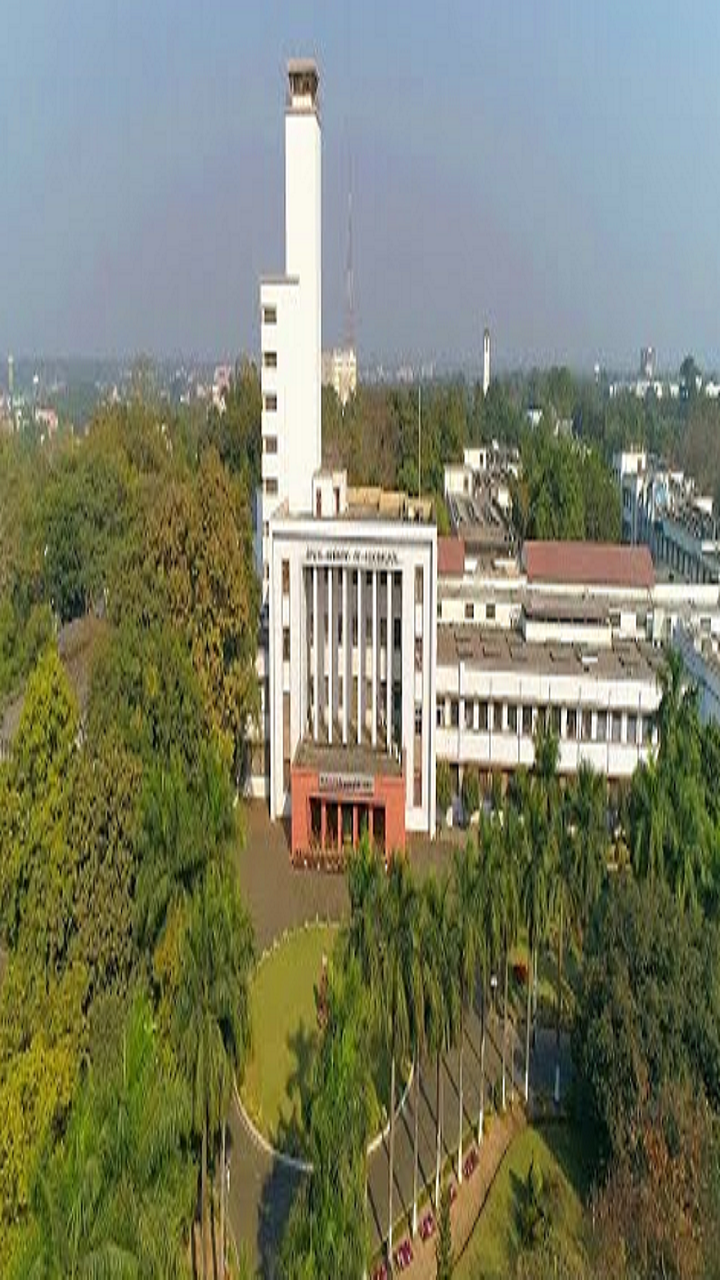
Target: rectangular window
[383, 632]
[571, 724]
[602, 726]
[527, 718]
[632, 728]
[440, 713]
[354, 629]
[270, 402]
[270, 444]
[468, 714]
[269, 359]
[498, 717]
[646, 730]
[469, 613]
[271, 487]
[341, 688]
[269, 315]
[286, 577]
[616, 726]
[512, 717]
[286, 644]
[368, 630]
[483, 717]
[419, 576]
[490, 612]
[397, 629]
[454, 713]
[418, 721]
[586, 725]
[555, 721]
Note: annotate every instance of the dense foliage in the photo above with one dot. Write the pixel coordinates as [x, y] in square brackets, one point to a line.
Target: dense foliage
[124, 1009]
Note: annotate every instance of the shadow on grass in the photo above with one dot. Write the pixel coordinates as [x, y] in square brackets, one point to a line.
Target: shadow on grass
[292, 1130]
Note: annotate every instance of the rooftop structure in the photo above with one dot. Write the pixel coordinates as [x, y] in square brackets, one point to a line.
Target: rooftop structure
[590, 564]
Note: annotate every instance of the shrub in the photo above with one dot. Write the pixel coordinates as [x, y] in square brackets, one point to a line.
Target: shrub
[443, 786]
[470, 792]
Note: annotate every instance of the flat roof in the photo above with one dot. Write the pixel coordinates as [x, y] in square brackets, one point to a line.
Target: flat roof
[372, 502]
[355, 758]
[594, 564]
[495, 650]
[451, 557]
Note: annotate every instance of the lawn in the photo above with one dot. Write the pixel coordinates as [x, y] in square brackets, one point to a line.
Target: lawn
[285, 1034]
[495, 1243]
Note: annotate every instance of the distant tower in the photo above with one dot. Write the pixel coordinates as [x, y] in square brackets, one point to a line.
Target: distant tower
[11, 376]
[486, 361]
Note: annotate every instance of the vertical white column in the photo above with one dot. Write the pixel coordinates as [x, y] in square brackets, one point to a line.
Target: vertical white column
[429, 712]
[331, 650]
[374, 656]
[407, 682]
[347, 670]
[360, 677]
[388, 658]
[316, 657]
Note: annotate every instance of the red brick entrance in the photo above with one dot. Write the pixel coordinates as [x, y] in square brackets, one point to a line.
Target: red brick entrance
[337, 797]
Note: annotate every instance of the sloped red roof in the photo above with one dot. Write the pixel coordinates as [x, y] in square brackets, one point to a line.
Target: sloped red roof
[451, 557]
[595, 564]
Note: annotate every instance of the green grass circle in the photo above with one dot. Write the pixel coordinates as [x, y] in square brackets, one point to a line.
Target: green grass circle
[285, 1035]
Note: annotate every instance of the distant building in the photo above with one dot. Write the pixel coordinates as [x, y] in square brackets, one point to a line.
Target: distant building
[339, 371]
[648, 363]
[222, 378]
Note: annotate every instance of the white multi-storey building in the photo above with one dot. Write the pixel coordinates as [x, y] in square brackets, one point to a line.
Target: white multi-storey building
[290, 331]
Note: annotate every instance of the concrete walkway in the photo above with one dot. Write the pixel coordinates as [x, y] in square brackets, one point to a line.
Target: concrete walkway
[262, 1189]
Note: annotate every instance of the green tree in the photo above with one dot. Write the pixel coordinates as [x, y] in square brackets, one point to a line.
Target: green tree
[327, 1233]
[443, 1246]
[212, 1015]
[442, 1014]
[400, 977]
[467, 925]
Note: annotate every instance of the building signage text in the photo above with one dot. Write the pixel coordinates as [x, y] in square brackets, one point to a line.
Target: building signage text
[355, 557]
[354, 784]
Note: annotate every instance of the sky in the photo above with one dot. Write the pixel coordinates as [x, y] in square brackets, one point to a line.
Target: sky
[550, 168]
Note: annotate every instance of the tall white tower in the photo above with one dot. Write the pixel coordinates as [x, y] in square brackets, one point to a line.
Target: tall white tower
[486, 361]
[291, 321]
[11, 377]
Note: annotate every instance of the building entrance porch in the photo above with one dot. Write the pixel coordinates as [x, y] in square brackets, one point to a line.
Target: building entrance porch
[340, 795]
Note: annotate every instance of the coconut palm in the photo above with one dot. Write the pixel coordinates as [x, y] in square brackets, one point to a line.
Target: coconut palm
[487, 870]
[507, 893]
[587, 798]
[400, 986]
[442, 1012]
[212, 1013]
[534, 890]
[467, 928]
[426, 1000]
[565, 893]
[649, 821]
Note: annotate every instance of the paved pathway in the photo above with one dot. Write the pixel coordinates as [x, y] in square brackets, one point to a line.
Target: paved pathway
[261, 1188]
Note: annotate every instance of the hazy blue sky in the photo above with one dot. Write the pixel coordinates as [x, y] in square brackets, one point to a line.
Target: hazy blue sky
[550, 167]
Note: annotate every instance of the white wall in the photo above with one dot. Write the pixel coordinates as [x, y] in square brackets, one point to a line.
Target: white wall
[303, 258]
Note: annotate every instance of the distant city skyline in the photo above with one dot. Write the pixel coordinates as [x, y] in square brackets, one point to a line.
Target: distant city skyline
[552, 172]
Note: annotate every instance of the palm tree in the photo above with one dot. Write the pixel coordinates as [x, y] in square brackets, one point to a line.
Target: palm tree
[534, 887]
[507, 893]
[426, 998]
[442, 1014]
[212, 1010]
[588, 814]
[565, 900]
[487, 870]
[649, 821]
[400, 986]
[467, 925]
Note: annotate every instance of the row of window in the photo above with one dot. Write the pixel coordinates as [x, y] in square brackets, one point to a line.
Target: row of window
[397, 632]
[571, 723]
